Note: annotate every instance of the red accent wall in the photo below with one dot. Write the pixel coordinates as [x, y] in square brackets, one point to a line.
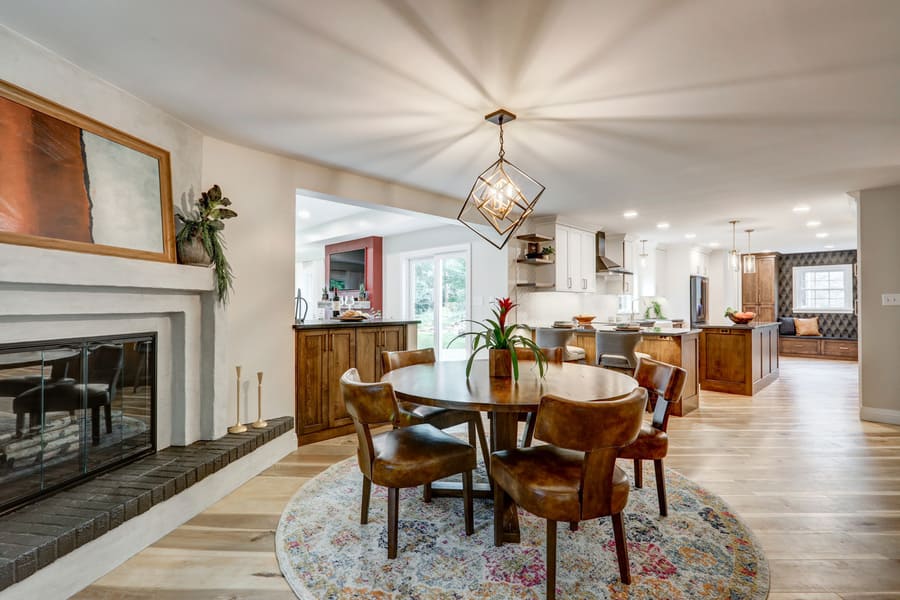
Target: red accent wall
[372, 246]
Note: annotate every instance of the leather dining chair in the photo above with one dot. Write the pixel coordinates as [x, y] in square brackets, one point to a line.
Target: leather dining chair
[554, 355]
[403, 457]
[616, 350]
[442, 418]
[574, 476]
[664, 384]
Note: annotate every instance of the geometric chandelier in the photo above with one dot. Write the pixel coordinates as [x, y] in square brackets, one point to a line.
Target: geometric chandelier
[502, 197]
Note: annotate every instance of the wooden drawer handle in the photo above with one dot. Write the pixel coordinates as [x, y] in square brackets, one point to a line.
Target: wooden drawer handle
[843, 347]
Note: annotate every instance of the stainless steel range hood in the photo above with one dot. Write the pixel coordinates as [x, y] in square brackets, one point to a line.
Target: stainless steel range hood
[604, 263]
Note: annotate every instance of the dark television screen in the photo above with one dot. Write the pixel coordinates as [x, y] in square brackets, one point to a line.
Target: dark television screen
[347, 269]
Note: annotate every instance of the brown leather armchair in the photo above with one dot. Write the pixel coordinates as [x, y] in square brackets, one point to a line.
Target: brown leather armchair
[442, 418]
[574, 477]
[664, 384]
[403, 457]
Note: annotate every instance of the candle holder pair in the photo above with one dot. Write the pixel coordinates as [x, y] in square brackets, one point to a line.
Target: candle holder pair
[239, 427]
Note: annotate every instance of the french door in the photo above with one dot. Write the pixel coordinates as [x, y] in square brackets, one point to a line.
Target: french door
[439, 298]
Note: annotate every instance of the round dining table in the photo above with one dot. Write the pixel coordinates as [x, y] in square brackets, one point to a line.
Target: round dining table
[444, 384]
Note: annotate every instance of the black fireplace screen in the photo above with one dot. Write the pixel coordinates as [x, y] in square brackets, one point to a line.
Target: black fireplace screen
[72, 408]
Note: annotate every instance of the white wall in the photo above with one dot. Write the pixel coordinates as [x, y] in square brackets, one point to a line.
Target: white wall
[879, 326]
[724, 287]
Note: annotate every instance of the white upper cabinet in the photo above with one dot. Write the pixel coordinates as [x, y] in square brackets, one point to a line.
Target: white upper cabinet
[575, 260]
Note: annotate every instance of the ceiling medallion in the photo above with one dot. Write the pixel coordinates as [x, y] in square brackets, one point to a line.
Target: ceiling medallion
[502, 197]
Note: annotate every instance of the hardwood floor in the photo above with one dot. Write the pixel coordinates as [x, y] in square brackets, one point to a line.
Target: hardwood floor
[819, 487]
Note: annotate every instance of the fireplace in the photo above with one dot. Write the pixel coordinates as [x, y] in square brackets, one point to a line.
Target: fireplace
[70, 409]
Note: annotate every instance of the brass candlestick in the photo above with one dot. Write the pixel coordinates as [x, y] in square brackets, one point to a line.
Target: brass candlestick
[259, 423]
[238, 427]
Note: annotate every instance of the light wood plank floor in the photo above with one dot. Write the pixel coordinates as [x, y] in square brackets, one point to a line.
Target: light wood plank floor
[820, 488]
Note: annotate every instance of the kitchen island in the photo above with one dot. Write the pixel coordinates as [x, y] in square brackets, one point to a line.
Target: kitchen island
[323, 351]
[738, 359]
[672, 345]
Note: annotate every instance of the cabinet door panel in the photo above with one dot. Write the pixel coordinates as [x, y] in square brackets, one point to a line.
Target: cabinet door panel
[765, 280]
[562, 259]
[749, 293]
[588, 262]
[341, 357]
[312, 381]
[368, 357]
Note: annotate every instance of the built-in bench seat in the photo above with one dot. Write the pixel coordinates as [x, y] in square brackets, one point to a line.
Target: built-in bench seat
[818, 347]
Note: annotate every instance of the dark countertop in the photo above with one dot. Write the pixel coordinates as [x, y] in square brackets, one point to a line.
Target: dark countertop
[330, 323]
[664, 331]
[736, 326]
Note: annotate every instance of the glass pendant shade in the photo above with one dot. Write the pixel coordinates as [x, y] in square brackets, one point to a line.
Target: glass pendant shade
[733, 258]
[501, 198]
[749, 263]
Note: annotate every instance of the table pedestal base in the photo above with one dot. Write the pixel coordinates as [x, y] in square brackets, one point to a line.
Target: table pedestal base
[504, 434]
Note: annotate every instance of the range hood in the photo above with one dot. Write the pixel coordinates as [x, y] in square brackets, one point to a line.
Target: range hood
[604, 263]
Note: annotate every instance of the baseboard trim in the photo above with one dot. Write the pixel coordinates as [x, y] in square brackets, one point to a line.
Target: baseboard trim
[81, 567]
[879, 415]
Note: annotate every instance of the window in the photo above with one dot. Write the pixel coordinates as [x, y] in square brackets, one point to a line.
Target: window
[823, 289]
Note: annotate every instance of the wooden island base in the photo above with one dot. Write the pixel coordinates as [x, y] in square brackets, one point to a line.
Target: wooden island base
[738, 359]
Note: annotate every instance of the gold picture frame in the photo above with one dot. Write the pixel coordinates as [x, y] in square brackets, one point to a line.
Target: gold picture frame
[70, 182]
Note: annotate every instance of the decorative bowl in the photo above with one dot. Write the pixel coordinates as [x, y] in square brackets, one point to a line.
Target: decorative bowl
[585, 319]
[741, 320]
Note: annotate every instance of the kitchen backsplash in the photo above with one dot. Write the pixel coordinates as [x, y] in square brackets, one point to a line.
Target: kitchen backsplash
[542, 308]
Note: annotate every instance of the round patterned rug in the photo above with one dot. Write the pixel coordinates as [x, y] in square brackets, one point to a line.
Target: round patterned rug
[701, 550]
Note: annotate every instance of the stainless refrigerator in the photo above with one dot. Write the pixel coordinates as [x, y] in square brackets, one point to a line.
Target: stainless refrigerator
[699, 300]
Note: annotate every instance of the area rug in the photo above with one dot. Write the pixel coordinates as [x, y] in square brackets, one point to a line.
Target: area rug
[701, 550]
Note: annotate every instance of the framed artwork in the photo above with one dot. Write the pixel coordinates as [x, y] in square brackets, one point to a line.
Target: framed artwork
[72, 183]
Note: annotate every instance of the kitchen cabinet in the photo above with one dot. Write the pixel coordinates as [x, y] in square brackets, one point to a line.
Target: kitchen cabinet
[574, 261]
[759, 290]
[323, 353]
[738, 359]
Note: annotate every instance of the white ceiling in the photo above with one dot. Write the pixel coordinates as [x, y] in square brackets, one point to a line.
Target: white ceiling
[693, 112]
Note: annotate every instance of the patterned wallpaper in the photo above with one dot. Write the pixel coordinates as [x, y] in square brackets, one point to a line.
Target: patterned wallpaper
[840, 325]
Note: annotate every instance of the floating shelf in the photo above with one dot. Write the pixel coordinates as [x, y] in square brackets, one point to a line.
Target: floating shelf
[539, 286]
[535, 261]
[534, 238]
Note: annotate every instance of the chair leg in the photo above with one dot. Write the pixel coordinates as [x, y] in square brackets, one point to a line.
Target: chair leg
[550, 559]
[95, 425]
[621, 548]
[426, 493]
[467, 502]
[498, 515]
[108, 410]
[366, 494]
[528, 436]
[573, 525]
[661, 487]
[20, 423]
[482, 441]
[638, 474]
[393, 502]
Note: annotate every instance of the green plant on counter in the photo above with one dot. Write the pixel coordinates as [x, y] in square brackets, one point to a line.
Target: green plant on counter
[205, 224]
[656, 309]
[497, 335]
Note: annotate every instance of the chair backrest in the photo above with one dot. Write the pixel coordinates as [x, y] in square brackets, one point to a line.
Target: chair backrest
[664, 384]
[618, 343]
[552, 337]
[367, 404]
[105, 363]
[598, 429]
[553, 355]
[397, 359]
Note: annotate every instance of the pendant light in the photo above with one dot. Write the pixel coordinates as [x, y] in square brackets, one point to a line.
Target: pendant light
[733, 256]
[643, 254]
[502, 197]
[749, 259]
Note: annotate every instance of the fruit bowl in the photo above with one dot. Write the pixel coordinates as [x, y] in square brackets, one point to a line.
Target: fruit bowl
[741, 318]
[585, 320]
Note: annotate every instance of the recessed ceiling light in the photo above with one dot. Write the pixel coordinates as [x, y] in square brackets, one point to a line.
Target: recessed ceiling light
[690, 236]
[829, 246]
[813, 223]
[630, 214]
[662, 225]
[801, 208]
[713, 244]
[822, 235]
[303, 214]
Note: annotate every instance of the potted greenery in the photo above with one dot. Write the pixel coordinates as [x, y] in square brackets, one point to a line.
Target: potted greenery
[199, 241]
[501, 339]
[654, 310]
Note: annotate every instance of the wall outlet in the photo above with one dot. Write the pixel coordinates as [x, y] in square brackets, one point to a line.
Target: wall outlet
[890, 299]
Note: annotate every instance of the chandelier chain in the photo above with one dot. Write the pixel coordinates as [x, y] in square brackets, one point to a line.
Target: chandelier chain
[502, 151]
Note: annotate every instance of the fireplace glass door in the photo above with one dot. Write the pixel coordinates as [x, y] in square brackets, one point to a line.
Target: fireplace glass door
[70, 409]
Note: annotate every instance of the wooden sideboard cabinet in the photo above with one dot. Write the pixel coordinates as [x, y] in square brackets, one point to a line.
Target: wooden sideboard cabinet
[323, 352]
[738, 359]
[759, 290]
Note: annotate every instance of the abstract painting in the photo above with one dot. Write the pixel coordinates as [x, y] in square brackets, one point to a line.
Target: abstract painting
[72, 183]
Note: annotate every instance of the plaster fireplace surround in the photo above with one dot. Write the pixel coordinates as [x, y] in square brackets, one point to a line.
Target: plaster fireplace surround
[49, 294]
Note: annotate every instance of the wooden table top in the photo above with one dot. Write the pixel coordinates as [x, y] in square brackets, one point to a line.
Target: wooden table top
[444, 384]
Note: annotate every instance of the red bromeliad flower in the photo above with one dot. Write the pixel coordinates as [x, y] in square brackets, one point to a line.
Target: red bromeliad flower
[505, 305]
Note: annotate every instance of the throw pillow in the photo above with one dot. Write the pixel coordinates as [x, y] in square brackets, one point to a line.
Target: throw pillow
[786, 326]
[808, 326]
